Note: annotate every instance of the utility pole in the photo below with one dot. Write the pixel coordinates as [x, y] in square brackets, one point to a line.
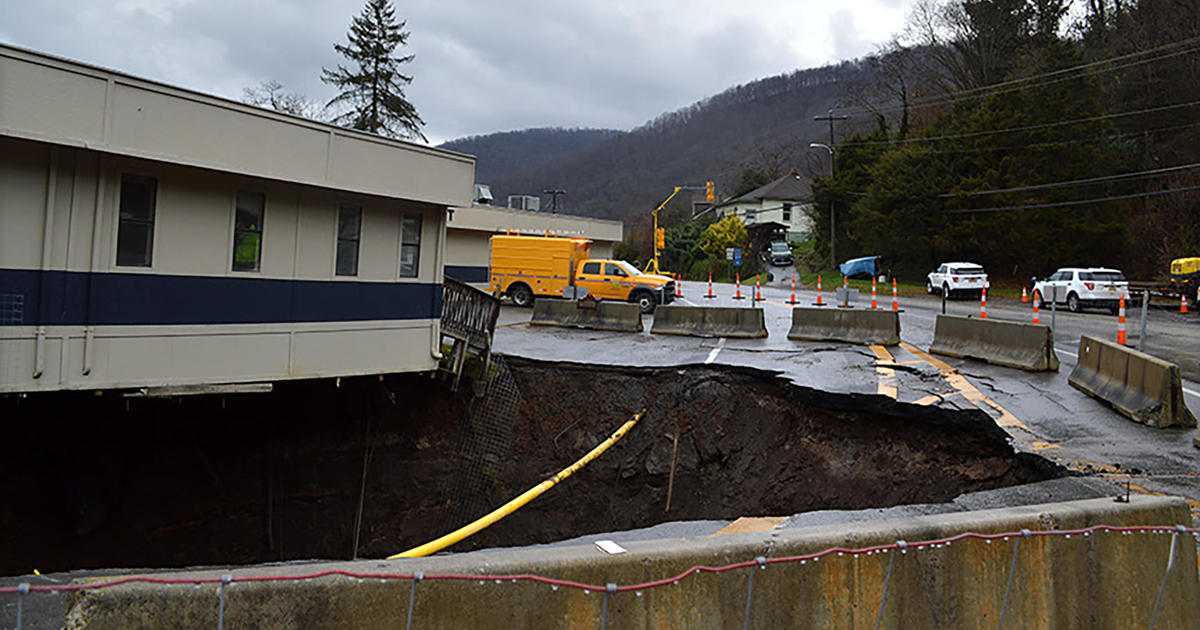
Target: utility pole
[554, 193]
[832, 173]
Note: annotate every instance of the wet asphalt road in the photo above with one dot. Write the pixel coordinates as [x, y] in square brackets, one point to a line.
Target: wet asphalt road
[1040, 411]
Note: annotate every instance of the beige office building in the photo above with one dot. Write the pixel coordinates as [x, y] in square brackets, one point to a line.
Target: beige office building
[154, 236]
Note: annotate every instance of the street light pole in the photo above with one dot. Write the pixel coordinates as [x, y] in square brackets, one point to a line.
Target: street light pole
[832, 217]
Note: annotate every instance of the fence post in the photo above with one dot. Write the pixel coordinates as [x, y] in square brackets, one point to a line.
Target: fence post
[762, 564]
[1012, 570]
[412, 597]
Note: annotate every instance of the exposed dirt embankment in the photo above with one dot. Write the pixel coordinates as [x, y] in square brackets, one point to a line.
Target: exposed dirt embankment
[113, 482]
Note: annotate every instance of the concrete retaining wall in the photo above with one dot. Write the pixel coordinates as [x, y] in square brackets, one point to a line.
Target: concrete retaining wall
[710, 321]
[1145, 388]
[1098, 582]
[1011, 344]
[868, 327]
[617, 316]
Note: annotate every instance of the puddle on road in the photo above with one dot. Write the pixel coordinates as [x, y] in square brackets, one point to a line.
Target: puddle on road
[115, 482]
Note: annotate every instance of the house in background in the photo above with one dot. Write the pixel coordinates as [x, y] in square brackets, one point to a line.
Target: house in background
[784, 201]
[152, 236]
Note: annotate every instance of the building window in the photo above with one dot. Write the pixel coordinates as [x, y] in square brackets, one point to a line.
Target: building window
[787, 213]
[348, 236]
[135, 231]
[248, 231]
[410, 244]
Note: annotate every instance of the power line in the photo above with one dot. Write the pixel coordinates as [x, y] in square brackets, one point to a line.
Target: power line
[1055, 143]
[1078, 182]
[992, 132]
[1061, 204]
[986, 90]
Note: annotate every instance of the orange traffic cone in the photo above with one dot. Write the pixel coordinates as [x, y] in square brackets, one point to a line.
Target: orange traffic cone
[1024, 295]
[738, 284]
[757, 289]
[895, 300]
[1183, 304]
[1121, 322]
[983, 304]
[710, 293]
[1036, 318]
[793, 300]
[678, 286]
[873, 304]
[818, 302]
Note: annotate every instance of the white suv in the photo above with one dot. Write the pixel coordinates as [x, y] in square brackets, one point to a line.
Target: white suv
[957, 277]
[1083, 287]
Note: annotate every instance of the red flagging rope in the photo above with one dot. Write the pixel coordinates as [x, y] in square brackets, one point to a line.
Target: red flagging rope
[527, 577]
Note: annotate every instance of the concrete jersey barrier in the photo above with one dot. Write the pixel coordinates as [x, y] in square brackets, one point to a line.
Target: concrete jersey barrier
[615, 316]
[1107, 581]
[710, 321]
[1145, 388]
[869, 327]
[1011, 344]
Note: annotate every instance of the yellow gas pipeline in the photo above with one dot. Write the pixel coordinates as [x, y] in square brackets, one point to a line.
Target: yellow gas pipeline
[439, 544]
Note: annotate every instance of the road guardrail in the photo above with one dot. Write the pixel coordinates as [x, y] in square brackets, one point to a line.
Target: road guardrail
[1142, 387]
[1011, 344]
[710, 321]
[862, 326]
[589, 314]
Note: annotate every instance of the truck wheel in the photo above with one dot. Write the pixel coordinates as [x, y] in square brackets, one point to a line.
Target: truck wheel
[645, 301]
[946, 290]
[1073, 303]
[929, 287]
[521, 295]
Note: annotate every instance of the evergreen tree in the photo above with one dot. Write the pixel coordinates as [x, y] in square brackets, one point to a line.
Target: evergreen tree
[374, 88]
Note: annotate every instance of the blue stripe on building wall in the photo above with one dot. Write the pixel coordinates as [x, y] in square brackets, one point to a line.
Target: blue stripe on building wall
[465, 273]
[67, 298]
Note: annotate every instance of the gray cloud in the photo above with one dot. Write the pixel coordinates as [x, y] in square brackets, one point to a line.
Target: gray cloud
[480, 66]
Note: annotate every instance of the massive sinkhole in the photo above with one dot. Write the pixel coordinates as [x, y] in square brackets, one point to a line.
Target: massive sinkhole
[113, 481]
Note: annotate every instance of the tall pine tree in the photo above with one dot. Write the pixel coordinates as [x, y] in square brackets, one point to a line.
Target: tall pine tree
[373, 89]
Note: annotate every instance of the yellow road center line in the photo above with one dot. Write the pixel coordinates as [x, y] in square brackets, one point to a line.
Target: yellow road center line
[959, 382]
[751, 524]
[887, 376]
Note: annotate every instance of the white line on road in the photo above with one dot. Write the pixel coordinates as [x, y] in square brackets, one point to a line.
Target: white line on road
[1076, 356]
[713, 355]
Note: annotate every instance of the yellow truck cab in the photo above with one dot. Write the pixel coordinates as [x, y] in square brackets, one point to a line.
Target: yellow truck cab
[1185, 277]
[525, 267]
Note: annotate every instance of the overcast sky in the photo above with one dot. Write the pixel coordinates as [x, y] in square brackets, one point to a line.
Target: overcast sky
[481, 66]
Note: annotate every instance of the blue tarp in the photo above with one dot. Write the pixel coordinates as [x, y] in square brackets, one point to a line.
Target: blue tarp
[866, 266]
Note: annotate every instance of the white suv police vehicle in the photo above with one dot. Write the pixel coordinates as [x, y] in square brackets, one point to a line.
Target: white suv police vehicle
[1085, 287]
[957, 278]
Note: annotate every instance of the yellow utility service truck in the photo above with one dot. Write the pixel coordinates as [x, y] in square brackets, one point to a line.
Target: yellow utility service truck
[1185, 277]
[526, 267]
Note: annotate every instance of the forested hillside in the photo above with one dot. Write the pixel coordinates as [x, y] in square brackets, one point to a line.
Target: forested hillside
[506, 154]
[1026, 145]
[762, 127]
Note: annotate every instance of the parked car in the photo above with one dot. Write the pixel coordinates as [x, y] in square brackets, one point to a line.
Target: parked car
[957, 278]
[778, 253]
[1085, 287]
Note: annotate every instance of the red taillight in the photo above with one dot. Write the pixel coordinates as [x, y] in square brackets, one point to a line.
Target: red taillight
[1089, 285]
[954, 278]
